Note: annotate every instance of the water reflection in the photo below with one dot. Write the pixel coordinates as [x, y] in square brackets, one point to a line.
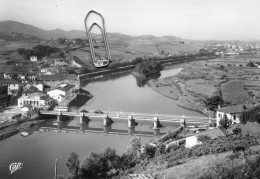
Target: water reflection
[104, 78]
[143, 129]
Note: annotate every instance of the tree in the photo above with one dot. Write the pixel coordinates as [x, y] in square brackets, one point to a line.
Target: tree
[251, 115]
[224, 123]
[101, 165]
[73, 164]
[134, 147]
[149, 151]
[250, 64]
[213, 102]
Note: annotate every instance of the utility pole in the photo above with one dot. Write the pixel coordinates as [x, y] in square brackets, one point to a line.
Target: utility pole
[56, 168]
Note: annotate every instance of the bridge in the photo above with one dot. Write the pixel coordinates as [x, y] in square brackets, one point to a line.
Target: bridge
[131, 117]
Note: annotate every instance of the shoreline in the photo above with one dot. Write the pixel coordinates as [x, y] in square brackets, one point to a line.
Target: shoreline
[17, 127]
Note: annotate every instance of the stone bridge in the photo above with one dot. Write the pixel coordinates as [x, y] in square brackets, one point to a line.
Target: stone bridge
[131, 117]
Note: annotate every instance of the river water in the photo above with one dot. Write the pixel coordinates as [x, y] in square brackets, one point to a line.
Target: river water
[117, 92]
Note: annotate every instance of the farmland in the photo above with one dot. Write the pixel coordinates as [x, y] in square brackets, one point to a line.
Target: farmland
[237, 82]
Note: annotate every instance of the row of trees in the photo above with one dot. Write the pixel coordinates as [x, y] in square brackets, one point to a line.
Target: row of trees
[105, 164]
[40, 51]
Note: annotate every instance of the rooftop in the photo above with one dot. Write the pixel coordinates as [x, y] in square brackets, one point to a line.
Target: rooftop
[31, 89]
[65, 87]
[235, 108]
[9, 81]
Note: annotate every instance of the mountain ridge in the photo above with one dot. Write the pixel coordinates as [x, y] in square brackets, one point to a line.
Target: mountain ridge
[8, 27]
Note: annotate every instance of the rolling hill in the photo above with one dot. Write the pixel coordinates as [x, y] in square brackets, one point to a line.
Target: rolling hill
[123, 47]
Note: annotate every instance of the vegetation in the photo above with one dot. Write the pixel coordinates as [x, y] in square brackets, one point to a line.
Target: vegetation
[203, 138]
[73, 164]
[39, 51]
[249, 170]
[250, 115]
[108, 164]
[250, 64]
[213, 102]
[101, 165]
[148, 67]
[234, 92]
[224, 123]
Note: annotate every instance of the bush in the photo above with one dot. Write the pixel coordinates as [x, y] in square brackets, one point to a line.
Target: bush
[249, 170]
[224, 123]
[213, 102]
[252, 115]
[100, 165]
[213, 146]
[250, 64]
[149, 151]
[203, 138]
[237, 131]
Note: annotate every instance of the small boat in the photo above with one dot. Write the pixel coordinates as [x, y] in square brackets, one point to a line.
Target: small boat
[24, 134]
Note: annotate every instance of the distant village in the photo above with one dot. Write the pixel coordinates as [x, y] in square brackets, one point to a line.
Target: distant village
[42, 88]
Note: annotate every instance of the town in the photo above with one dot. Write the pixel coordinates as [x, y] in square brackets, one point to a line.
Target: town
[129, 90]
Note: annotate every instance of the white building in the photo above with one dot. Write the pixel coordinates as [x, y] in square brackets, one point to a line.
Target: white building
[232, 112]
[13, 85]
[63, 91]
[33, 59]
[36, 100]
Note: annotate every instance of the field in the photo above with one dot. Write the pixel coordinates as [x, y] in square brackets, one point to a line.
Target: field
[234, 92]
[237, 82]
[9, 50]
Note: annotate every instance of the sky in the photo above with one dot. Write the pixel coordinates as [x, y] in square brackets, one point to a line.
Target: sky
[188, 19]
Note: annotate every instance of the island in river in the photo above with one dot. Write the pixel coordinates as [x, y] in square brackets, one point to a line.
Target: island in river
[147, 68]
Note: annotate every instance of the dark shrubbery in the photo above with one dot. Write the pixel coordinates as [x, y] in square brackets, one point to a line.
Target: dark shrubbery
[250, 64]
[250, 170]
[203, 138]
[171, 135]
[251, 115]
[39, 51]
[213, 102]
[149, 151]
[148, 67]
[214, 146]
[101, 165]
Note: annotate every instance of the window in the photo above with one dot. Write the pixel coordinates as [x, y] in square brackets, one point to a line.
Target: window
[234, 117]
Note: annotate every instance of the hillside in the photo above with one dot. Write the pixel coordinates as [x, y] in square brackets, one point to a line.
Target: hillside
[124, 48]
[147, 44]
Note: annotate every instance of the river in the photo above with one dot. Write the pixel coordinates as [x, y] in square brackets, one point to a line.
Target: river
[116, 92]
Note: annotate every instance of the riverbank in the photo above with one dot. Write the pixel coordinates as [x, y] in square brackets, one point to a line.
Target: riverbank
[12, 128]
[201, 79]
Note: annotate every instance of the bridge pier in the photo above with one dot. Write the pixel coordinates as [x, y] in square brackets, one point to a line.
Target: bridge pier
[156, 132]
[59, 117]
[83, 127]
[83, 119]
[131, 122]
[107, 128]
[131, 130]
[156, 123]
[183, 122]
[107, 121]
